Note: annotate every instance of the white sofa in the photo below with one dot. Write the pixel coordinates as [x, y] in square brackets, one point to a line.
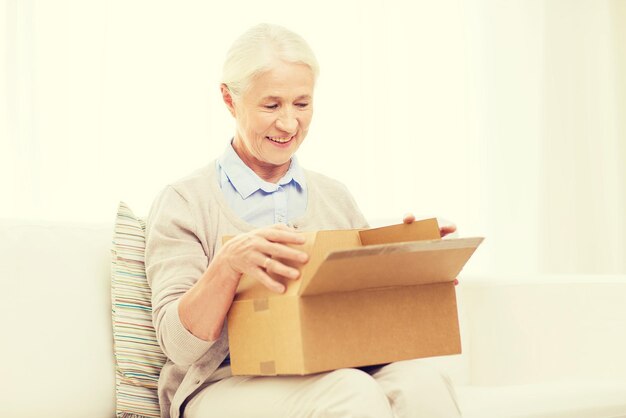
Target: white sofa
[533, 346]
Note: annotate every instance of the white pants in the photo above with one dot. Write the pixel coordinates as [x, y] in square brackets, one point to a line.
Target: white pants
[405, 389]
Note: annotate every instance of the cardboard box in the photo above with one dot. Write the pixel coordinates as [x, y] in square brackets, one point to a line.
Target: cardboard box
[365, 297]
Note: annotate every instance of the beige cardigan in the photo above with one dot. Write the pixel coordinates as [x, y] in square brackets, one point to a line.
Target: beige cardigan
[184, 230]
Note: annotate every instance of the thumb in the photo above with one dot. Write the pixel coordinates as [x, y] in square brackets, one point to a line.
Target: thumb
[408, 218]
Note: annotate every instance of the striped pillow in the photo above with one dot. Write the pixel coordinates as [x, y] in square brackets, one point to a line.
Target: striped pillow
[138, 357]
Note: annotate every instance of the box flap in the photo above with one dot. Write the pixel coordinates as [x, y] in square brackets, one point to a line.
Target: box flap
[401, 264]
[415, 231]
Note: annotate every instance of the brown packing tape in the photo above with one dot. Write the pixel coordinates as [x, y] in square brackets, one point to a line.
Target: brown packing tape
[261, 305]
[267, 368]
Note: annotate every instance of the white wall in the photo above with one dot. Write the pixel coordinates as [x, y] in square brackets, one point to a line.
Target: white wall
[506, 117]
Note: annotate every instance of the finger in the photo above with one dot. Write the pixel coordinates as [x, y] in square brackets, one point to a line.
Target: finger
[267, 281]
[447, 229]
[282, 227]
[409, 218]
[276, 267]
[284, 252]
[282, 236]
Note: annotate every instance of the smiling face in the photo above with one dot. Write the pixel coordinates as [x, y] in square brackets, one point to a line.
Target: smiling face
[273, 118]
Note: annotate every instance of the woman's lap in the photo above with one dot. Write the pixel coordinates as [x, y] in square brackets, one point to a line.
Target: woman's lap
[416, 389]
[403, 389]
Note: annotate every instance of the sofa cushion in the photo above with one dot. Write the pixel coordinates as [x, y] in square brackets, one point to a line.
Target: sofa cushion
[137, 353]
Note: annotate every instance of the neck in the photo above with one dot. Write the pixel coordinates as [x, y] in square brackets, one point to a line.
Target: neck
[268, 172]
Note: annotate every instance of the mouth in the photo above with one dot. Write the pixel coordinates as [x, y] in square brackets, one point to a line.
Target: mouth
[280, 140]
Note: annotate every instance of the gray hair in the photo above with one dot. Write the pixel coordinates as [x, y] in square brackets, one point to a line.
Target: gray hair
[258, 49]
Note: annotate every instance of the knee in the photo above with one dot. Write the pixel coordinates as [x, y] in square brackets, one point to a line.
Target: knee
[417, 373]
[416, 385]
[355, 394]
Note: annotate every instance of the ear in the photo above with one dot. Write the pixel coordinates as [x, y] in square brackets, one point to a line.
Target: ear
[228, 98]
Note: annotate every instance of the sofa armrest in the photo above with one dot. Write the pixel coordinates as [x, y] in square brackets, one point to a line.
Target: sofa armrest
[543, 328]
[55, 305]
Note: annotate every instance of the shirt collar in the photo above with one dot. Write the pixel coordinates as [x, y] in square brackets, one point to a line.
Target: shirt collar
[246, 181]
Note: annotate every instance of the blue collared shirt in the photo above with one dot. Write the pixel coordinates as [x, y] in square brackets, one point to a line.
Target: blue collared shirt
[257, 201]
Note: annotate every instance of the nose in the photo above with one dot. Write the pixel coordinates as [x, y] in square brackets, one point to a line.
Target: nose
[287, 121]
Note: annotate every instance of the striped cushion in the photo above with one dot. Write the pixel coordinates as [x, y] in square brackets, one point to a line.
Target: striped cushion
[138, 357]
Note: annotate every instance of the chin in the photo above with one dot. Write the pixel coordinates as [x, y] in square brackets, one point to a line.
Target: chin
[279, 161]
[279, 157]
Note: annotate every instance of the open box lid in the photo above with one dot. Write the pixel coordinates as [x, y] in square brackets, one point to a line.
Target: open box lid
[387, 265]
[396, 255]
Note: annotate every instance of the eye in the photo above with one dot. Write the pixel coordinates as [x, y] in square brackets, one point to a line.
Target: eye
[302, 105]
[271, 106]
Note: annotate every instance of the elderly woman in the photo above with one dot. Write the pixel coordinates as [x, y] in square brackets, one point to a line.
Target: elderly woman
[258, 192]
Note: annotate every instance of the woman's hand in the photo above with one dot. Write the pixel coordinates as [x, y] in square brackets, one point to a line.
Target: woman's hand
[259, 253]
[263, 252]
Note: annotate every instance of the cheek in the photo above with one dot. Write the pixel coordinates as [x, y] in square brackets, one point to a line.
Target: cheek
[261, 123]
[305, 120]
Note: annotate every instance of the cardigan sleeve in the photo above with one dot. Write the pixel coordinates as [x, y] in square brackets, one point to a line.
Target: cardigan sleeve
[175, 260]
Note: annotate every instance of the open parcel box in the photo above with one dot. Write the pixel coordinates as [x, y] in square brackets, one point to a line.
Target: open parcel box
[365, 297]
